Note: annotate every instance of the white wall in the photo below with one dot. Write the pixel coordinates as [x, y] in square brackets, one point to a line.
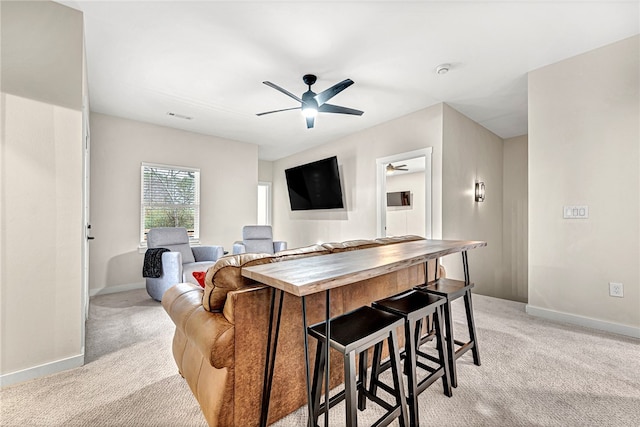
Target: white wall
[455, 164]
[584, 150]
[41, 227]
[403, 220]
[357, 156]
[514, 217]
[265, 170]
[470, 153]
[228, 191]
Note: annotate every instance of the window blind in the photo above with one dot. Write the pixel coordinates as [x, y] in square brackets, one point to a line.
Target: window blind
[170, 197]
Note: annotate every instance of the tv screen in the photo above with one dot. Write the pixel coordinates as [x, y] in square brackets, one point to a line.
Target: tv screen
[399, 198]
[315, 185]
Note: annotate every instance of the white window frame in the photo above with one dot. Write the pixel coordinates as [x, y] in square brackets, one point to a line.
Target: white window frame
[195, 239]
[266, 185]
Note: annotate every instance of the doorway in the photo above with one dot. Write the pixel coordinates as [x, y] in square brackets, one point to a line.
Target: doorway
[406, 177]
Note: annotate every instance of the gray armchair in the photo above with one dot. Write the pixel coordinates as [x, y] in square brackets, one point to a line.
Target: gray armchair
[181, 261]
[258, 239]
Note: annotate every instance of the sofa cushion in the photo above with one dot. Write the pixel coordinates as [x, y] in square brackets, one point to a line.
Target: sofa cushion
[226, 275]
[302, 252]
[199, 276]
[351, 245]
[190, 268]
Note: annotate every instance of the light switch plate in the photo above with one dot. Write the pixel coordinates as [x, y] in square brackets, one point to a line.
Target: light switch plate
[575, 212]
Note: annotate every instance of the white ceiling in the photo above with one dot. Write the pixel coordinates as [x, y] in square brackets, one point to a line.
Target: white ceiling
[208, 59]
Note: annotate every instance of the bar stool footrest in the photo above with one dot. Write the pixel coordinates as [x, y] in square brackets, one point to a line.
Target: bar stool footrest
[429, 380]
[384, 386]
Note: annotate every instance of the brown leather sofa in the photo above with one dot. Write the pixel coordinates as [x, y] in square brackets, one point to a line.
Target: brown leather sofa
[221, 332]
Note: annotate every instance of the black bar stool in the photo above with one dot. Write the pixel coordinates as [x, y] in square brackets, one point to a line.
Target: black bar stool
[451, 290]
[414, 306]
[354, 333]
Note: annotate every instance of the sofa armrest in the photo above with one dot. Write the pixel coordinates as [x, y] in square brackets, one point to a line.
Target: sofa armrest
[172, 267]
[239, 248]
[207, 253]
[279, 246]
[211, 333]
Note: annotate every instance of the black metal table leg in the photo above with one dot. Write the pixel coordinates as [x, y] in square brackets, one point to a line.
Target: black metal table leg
[310, 420]
[465, 266]
[327, 348]
[270, 359]
[311, 416]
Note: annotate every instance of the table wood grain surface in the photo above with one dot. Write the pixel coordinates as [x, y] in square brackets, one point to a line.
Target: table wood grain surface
[305, 276]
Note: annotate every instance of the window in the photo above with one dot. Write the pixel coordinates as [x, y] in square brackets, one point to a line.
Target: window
[264, 203]
[170, 197]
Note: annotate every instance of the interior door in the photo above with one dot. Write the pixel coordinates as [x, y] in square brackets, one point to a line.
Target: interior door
[85, 214]
[381, 165]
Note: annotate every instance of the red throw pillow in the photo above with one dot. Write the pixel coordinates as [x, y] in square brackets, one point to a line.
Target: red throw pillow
[199, 276]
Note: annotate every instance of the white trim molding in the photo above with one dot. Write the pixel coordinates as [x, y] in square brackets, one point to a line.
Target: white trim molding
[587, 322]
[115, 289]
[381, 192]
[41, 370]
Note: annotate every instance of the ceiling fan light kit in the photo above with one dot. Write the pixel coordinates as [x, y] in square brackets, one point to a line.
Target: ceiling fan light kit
[311, 103]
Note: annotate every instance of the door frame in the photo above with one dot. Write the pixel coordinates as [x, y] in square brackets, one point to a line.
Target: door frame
[381, 185]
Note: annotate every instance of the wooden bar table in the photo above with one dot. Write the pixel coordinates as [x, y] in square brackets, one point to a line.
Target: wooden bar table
[310, 275]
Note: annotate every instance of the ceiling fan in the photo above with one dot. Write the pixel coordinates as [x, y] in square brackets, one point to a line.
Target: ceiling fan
[391, 168]
[313, 103]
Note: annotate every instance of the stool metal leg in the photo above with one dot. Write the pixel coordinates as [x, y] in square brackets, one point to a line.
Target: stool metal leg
[375, 368]
[472, 327]
[410, 370]
[442, 350]
[451, 350]
[350, 382]
[397, 378]
[362, 380]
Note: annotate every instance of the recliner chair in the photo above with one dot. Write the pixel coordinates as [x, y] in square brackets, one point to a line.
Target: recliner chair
[258, 239]
[181, 261]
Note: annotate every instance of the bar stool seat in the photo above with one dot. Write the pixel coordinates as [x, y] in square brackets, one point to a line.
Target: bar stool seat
[452, 289]
[414, 306]
[354, 333]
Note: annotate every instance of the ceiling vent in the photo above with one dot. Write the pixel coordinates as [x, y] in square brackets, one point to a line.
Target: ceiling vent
[443, 69]
[179, 116]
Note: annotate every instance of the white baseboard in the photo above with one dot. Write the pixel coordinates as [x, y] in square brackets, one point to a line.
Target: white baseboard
[119, 288]
[588, 322]
[41, 370]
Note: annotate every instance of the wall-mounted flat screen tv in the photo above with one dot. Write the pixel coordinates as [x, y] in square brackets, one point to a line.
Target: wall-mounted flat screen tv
[315, 185]
[399, 198]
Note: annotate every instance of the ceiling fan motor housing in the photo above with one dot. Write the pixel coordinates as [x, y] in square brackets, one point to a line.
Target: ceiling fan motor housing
[309, 79]
[308, 100]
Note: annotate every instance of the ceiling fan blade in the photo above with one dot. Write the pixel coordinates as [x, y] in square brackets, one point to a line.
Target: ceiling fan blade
[277, 111]
[326, 95]
[310, 121]
[400, 166]
[286, 92]
[330, 108]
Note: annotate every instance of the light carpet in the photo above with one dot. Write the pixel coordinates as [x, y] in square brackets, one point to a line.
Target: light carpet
[534, 372]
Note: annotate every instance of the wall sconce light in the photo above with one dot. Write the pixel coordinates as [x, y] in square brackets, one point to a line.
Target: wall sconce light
[479, 191]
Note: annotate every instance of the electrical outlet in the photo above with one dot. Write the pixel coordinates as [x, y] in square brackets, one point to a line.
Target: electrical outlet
[616, 290]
